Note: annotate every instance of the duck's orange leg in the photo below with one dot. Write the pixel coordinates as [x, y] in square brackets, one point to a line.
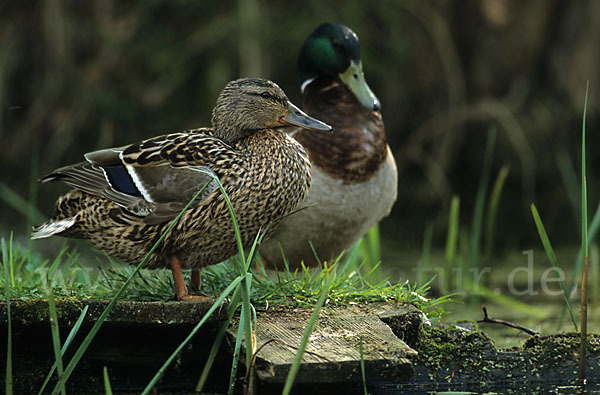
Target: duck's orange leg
[196, 279]
[265, 265]
[181, 291]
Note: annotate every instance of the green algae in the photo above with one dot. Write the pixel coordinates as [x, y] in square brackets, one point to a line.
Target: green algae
[450, 354]
[454, 349]
[553, 350]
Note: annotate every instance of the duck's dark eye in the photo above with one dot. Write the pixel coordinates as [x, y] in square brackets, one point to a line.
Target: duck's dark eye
[336, 42]
[355, 76]
[266, 95]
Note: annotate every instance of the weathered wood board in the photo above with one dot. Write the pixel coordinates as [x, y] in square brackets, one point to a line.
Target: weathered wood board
[35, 311]
[333, 353]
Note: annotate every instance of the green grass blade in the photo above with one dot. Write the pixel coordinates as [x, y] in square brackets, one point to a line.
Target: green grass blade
[11, 260]
[56, 340]
[584, 248]
[75, 329]
[246, 303]
[212, 355]
[8, 386]
[65, 346]
[451, 241]
[243, 268]
[212, 309]
[595, 224]
[584, 222]
[552, 257]
[92, 333]
[236, 351]
[247, 307]
[370, 245]
[107, 388]
[238, 236]
[362, 367]
[306, 336]
[232, 308]
[491, 214]
[253, 251]
[314, 251]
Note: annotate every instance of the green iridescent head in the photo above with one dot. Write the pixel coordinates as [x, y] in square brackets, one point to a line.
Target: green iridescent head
[333, 51]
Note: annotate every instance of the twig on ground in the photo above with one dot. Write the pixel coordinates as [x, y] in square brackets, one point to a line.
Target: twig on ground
[489, 320]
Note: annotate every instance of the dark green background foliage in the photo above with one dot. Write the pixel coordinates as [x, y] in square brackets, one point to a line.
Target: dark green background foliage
[76, 76]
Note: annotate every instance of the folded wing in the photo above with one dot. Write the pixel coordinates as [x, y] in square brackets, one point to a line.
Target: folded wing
[153, 179]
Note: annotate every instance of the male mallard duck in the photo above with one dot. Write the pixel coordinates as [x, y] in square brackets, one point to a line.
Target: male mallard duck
[124, 198]
[354, 176]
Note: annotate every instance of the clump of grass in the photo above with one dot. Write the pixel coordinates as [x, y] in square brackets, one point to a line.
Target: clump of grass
[302, 287]
[66, 276]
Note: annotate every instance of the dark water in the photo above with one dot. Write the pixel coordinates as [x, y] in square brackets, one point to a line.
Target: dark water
[505, 387]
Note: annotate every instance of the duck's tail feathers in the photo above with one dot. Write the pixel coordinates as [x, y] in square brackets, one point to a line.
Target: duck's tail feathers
[52, 228]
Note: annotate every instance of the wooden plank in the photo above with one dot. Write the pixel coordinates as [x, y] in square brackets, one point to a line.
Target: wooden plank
[35, 311]
[333, 351]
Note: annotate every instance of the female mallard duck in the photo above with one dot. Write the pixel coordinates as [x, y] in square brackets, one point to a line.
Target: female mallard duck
[125, 198]
[354, 176]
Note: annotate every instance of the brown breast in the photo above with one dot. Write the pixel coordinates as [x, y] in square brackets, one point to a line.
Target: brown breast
[357, 147]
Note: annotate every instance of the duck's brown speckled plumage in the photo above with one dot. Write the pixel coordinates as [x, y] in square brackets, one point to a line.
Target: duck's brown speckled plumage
[261, 195]
[265, 173]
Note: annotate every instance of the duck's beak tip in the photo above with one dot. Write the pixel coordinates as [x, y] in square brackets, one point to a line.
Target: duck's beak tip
[297, 117]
